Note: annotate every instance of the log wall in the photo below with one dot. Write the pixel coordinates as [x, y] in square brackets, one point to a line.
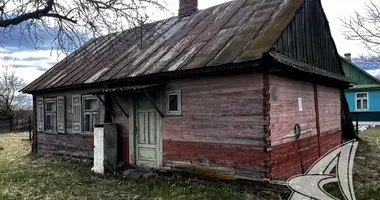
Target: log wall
[223, 126]
[69, 144]
[284, 114]
[221, 123]
[75, 145]
[286, 160]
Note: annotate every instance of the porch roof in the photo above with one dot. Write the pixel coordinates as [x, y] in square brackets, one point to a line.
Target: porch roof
[122, 89]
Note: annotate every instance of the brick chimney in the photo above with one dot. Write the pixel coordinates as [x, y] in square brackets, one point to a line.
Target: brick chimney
[187, 7]
[348, 56]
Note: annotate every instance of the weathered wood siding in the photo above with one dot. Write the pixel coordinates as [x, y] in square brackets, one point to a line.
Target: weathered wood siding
[285, 158]
[284, 114]
[75, 145]
[221, 123]
[329, 109]
[123, 123]
[308, 39]
[69, 143]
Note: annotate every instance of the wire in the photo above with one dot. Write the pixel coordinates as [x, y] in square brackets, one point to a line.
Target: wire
[297, 133]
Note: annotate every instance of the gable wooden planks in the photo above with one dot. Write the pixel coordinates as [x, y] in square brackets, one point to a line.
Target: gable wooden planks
[308, 39]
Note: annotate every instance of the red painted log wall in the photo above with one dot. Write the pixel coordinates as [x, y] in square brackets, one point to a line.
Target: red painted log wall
[285, 160]
[221, 122]
[284, 114]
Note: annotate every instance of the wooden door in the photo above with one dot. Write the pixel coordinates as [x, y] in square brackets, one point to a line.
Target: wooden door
[147, 130]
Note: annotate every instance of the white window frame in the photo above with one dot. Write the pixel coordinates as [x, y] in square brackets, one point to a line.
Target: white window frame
[89, 112]
[51, 113]
[179, 95]
[361, 101]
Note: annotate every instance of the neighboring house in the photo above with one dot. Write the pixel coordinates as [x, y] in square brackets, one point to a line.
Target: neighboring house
[221, 89]
[364, 95]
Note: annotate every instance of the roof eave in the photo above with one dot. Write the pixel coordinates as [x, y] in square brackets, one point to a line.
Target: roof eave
[235, 67]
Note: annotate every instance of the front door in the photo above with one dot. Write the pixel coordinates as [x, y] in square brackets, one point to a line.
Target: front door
[147, 132]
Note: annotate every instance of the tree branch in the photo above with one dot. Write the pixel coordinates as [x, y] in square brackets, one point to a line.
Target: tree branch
[58, 16]
[32, 15]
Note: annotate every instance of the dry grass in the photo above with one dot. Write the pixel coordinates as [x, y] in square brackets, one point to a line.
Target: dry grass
[26, 177]
[366, 168]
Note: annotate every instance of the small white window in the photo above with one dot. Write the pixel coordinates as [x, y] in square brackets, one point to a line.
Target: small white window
[173, 102]
[362, 101]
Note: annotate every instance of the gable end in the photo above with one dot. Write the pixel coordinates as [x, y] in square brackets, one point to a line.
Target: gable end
[308, 39]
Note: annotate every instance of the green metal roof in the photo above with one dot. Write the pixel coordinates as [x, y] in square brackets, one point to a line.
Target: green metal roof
[361, 78]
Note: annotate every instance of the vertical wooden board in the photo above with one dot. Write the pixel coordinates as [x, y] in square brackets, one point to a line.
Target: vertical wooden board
[61, 114]
[141, 128]
[77, 113]
[152, 128]
[40, 114]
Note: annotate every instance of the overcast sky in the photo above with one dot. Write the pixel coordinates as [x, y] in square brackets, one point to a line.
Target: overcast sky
[32, 63]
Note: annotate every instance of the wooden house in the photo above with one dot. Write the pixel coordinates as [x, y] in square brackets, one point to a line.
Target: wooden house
[225, 90]
[363, 96]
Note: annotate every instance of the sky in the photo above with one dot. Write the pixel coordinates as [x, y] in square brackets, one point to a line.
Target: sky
[33, 61]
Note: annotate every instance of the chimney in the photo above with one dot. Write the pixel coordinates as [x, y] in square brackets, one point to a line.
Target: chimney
[187, 7]
[348, 56]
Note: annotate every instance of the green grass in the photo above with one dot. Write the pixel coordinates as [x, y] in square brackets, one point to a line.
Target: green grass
[23, 176]
[366, 171]
[27, 177]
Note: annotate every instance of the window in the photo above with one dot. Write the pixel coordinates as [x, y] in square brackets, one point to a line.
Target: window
[362, 101]
[90, 113]
[173, 105]
[51, 115]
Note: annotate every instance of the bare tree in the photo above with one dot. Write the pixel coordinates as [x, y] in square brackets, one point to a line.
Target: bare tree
[10, 84]
[71, 22]
[365, 27]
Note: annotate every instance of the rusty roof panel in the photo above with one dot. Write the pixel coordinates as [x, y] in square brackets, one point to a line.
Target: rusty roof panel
[67, 63]
[236, 31]
[279, 19]
[231, 50]
[110, 55]
[81, 67]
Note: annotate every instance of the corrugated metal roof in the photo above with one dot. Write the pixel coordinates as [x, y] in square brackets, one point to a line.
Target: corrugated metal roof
[233, 32]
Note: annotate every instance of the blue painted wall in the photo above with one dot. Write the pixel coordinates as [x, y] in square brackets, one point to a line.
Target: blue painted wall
[373, 99]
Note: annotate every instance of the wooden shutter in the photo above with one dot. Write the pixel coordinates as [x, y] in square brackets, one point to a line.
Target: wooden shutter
[40, 114]
[61, 114]
[77, 113]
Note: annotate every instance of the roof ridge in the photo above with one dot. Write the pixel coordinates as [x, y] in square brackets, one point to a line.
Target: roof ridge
[360, 69]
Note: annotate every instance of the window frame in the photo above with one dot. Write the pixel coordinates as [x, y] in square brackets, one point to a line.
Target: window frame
[50, 113]
[179, 102]
[361, 101]
[89, 112]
